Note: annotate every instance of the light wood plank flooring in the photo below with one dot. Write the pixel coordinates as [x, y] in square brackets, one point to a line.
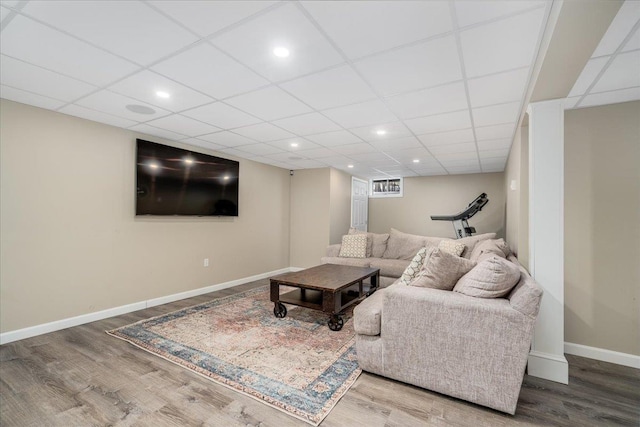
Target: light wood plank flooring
[83, 377]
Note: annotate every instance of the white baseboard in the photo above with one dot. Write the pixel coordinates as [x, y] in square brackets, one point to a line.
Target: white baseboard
[32, 331]
[603, 355]
[551, 367]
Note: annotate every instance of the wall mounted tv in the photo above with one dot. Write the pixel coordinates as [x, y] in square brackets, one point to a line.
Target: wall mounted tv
[172, 181]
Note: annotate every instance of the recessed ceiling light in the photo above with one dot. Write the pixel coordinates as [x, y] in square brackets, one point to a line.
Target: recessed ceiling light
[416, 160]
[381, 132]
[350, 166]
[140, 109]
[294, 144]
[162, 94]
[281, 52]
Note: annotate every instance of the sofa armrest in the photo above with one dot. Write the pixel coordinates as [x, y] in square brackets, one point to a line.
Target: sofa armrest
[333, 250]
[472, 348]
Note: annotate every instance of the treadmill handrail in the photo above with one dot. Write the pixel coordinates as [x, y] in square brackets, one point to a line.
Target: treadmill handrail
[474, 207]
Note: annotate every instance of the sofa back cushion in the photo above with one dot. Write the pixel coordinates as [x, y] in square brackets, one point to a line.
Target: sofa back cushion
[406, 246]
[492, 278]
[471, 241]
[354, 246]
[441, 270]
[527, 294]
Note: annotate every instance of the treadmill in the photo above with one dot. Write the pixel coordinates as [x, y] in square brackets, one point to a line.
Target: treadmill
[459, 220]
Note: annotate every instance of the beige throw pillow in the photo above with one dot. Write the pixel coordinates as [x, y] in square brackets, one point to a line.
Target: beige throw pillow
[414, 267]
[487, 248]
[353, 246]
[471, 241]
[369, 239]
[451, 246]
[491, 278]
[442, 270]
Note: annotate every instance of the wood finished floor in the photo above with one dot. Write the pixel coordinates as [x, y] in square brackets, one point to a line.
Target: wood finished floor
[83, 377]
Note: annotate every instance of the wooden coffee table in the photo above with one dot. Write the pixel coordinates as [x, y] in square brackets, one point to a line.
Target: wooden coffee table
[329, 288]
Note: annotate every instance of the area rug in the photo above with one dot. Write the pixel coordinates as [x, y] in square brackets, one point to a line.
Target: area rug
[295, 364]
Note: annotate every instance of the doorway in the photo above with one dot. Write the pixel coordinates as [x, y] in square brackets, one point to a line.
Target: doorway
[359, 204]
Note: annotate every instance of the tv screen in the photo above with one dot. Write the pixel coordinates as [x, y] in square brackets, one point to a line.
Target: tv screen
[172, 181]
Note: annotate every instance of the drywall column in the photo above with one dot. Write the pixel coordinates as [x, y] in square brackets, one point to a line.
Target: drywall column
[546, 236]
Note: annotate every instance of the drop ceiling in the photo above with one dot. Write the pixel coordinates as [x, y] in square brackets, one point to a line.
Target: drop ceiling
[390, 88]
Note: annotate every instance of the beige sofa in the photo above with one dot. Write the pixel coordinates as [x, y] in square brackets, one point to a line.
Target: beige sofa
[467, 347]
[392, 252]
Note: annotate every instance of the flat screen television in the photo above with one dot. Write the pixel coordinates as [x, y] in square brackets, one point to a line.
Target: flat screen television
[173, 181]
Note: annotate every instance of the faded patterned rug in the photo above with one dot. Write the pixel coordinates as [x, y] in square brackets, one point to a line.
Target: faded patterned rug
[295, 364]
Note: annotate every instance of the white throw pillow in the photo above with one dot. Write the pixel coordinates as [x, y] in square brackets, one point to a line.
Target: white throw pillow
[414, 267]
[353, 246]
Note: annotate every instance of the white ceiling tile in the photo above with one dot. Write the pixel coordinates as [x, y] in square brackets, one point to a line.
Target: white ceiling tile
[414, 67]
[227, 139]
[129, 29]
[115, 104]
[633, 43]
[253, 42]
[22, 75]
[464, 147]
[154, 131]
[338, 161]
[221, 115]
[208, 70]
[264, 132]
[307, 124]
[36, 43]
[440, 122]
[184, 125]
[362, 28]
[410, 154]
[451, 137]
[493, 162]
[492, 154]
[613, 97]
[452, 158]
[463, 170]
[392, 130]
[495, 132]
[4, 12]
[431, 171]
[622, 73]
[331, 88]
[286, 157]
[260, 149]
[317, 153]
[331, 139]
[392, 145]
[29, 98]
[269, 103]
[620, 27]
[437, 100]
[238, 153]
[372, 158]
[498, 88]
[203, 144]
[96, 116]
[308, 164]
[207, 17]
[473, 11]
[295, 144]
[570, 103]
[494, 144]
[363, 114]
[496, 114]
[145, 84]
[588, 75]
[359, 148]
[501, 45]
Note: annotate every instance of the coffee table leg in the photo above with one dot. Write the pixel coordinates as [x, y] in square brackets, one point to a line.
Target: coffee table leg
[335, 322]
[279, 310]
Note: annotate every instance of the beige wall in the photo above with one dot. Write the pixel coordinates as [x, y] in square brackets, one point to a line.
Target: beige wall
[310, 216]
[517, 205]
[71, 244]
[440, 195]
[340, 201]
[602, 227]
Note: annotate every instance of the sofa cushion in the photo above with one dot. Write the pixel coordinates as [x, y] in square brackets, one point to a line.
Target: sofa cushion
[354, 246]
[452, 246]
[487, 248]
[403, 245]
[471, 241]
[442, 270]
[414, 267]
[526, 295]
[356, 262]
[379, 244]
[368, 314]
[491, 278]
[390, 267]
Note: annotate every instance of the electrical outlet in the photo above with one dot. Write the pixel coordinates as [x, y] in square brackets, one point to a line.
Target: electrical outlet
[206, 262]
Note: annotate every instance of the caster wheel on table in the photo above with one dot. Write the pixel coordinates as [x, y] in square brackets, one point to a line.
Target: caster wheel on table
[335, 323]
[279, 310]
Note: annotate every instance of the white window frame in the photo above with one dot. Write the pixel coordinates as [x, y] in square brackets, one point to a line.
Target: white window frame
[374, 190]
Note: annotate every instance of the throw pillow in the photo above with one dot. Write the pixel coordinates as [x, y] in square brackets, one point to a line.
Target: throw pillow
[353, 246]
[451, 246]
[491, 278]
[490, 247]
[414, 267]
[442, 270]
[471, 241]
[369, 239]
